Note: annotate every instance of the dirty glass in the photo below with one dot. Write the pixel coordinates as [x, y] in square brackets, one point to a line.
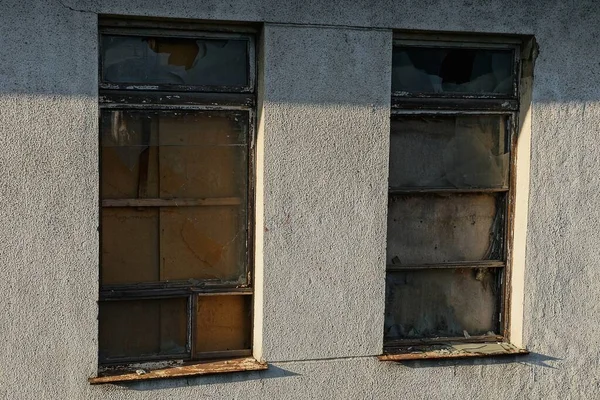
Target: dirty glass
[152, 244]
[205, 243]
[448, 151]
[175, 61]
[223, 323]
[130, 245]
[436, 228]
[452, 70]
[441, 303]
[142, 328]
[191, 155]
[174, 154]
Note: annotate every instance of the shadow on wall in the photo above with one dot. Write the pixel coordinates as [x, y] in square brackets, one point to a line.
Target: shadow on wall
[532, 359]
[272, 372]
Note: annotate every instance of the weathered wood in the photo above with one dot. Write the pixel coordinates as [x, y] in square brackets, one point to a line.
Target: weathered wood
[463, 350]
[197, 368]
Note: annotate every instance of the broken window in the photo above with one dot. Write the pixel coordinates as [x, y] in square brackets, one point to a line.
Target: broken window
[176, 160]
[452, 130]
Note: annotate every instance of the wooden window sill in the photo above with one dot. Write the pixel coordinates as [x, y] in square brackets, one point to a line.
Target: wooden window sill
[452, 350]
[187, 369]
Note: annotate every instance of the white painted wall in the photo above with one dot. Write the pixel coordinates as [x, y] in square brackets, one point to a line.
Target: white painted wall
[323, 147]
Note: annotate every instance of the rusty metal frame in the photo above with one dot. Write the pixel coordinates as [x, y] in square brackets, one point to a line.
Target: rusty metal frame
[435, 104]
[183, 98]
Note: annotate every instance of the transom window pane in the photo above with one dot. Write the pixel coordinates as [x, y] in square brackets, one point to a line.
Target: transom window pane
[452, 70]
[175, 61]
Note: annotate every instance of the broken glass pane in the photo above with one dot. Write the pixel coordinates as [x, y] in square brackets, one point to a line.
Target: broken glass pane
[441, 303]
[142, 328]
[203, 243]
[452, 70]
[436, 228]
[129, 245]
[174, 61]
[223, 323]
[449, 151]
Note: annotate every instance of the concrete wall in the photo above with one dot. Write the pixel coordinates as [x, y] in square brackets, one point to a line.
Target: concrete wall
[323, 174]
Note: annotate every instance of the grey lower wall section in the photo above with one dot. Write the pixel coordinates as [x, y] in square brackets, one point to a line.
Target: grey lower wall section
[326, 136]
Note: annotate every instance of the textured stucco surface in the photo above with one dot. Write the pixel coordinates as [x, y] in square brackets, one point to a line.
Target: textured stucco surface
[325, 177]
[325, 153]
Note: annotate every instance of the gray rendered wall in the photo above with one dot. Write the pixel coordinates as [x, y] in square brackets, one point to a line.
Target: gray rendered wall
[326, 98]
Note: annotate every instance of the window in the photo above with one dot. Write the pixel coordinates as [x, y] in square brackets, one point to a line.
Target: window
[453, 122]
[177, 151]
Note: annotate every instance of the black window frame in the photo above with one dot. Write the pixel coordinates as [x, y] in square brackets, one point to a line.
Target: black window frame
[170, 97]
[456, 104]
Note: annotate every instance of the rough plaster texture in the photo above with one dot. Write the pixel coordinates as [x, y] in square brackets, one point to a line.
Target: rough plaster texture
[324, 179]
[325, 166]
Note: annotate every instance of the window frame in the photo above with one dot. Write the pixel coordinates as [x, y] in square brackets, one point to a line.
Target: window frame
[167, 97]
[456, 104]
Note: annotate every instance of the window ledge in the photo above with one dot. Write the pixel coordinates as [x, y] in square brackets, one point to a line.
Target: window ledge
[452, 350]
[192, 369]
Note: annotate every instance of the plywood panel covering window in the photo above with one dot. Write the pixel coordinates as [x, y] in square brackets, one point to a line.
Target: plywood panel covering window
[453, 119]
[176, 145]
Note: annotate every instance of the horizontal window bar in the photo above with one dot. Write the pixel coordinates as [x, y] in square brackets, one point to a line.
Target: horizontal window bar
[453, 103]
[114, 97]
[163, 29]
[149, 291]
[223, 354]
[457, 40]
[175, 88]
[215, 201]
[449, 265]
[406, 190]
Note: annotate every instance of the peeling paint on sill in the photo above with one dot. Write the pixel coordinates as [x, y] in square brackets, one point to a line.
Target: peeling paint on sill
[457, 350]
[191, 369]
